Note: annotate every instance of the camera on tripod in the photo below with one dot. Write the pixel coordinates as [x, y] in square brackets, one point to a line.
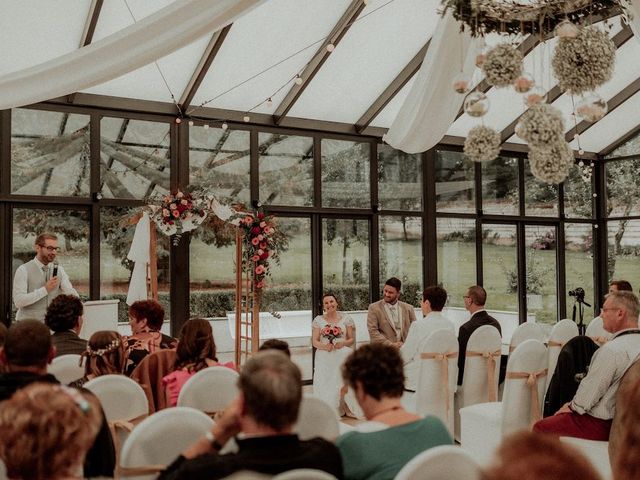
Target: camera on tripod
[578, 293]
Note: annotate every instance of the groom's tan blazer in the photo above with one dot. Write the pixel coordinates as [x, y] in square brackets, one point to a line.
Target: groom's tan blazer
[380, 326]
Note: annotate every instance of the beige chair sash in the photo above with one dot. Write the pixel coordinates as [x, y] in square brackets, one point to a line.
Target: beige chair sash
[599, 340]
[532, 383]
[553, 343]
[126, 425]
[491, 371]
[443, 358]
[141, 470]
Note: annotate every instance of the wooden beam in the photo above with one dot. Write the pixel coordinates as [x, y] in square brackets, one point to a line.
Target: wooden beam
[203, 67]
[314, 65]
[392, 90]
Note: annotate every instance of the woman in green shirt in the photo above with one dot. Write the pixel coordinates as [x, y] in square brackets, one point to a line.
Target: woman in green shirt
[376, 374]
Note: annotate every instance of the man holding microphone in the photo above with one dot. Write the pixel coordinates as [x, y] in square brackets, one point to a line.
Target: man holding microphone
[40, 280]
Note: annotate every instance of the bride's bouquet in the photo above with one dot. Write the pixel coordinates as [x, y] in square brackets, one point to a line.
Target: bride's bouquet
[331, 332]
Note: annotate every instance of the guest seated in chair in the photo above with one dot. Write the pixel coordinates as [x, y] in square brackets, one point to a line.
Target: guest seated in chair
[620, 285]
[532, 456]
[265, 411]
[145, 318]
[64, 317]
[104, 355]
[276, 344]
[591, 411]
[375, 372]
[47, 431]
[196, 350]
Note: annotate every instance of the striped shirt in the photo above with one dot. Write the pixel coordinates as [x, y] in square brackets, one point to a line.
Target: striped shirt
[596, 394]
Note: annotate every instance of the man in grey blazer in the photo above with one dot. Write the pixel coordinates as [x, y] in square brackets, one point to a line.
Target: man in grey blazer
[388, 320]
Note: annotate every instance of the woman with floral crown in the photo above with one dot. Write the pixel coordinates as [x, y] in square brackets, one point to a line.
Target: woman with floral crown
[333, 337]
[105, 355]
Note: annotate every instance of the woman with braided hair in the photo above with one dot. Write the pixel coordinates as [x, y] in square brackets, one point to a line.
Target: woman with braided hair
[105, 355]
[196, 350]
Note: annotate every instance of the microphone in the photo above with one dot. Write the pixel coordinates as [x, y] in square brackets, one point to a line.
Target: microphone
[55, 269]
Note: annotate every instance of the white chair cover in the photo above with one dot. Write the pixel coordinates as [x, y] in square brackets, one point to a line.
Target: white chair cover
[561, 333]
[597, 452]
[210, 390]
[159, 439]
[438, 376]
[597, 333]
[66, 368]
[445, 461]
[483, 425]
[526, 331]
[475, 386]
[121, 397]
[317, 419]
[304, 474]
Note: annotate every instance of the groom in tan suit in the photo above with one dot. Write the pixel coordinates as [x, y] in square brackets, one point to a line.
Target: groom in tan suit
[388, 320]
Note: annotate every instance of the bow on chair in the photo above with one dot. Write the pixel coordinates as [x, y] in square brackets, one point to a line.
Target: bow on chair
[599, 340]
[553, 343]
[126, 425]
[532, 383]
[491, 371]
[443, 358]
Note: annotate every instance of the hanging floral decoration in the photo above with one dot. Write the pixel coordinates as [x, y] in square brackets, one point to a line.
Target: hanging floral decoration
[541, 125]
[482, 144]
[502, 65]
[262, 244]
[551, 165]
[178, 213]
[584, 62]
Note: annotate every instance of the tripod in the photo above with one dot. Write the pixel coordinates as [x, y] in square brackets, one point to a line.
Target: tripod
[579, 303]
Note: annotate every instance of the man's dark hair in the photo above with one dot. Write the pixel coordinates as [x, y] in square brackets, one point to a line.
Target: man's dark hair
[271, 386]
[276, 344]
[478, 295]
[622, 285]
[437, 297]
[394, 282]
[63, 313]
[28, 344]
[379, 369]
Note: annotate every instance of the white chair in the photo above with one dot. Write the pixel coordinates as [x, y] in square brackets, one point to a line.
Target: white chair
[159, 439]
[121, 398]
[526, 331]
[304, 474]
[596, 451]
[561, 333]
[438, 376]
[66, 368]
[446, 461]
[597, 333]
[481, 371]
[316, 419]
[210, 390]
[484, 424]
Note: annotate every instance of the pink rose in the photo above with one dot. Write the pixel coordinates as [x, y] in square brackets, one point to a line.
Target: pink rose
[255, 241]
[179, 194]
[263, 245]
[259, 270]
[259, 252]
[255, 258]
[165, 212]
[260, 284]
[184, 202]
[263, 224]
[260, 237]
[176, 213]
[248, 220]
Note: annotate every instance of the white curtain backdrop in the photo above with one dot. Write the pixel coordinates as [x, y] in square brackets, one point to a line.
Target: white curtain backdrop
[432, 104]
[139, 255]
[154, 37]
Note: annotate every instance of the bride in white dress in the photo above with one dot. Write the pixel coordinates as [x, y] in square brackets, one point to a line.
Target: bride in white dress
[333, 336]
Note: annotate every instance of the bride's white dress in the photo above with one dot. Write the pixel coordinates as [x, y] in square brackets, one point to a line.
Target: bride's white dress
[327, 377]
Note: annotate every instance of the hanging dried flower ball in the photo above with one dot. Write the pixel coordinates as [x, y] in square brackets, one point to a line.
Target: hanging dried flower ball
[502, 65]
[551, 165]
[584, 62]
[482, 144]
[540, 126]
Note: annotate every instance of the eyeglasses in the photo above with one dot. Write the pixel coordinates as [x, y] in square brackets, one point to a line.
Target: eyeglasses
[49, 248]
[602, 310]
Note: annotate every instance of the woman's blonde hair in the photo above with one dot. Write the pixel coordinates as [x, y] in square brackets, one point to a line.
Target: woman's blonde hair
[47, 430]
[105, 354]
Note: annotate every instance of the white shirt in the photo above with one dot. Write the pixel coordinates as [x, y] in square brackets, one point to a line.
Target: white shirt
[22, 298]
[418, 333]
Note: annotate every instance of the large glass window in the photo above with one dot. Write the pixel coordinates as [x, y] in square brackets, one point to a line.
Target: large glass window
[134, 158]
[540, 256]
[455, 184]
[578, 195]
[456, 257]
[623, 188]
[286, 169]
[500, 267]
[624, 251]
[540, 199]
[399, 179]
[579, 264]
[345, 174]
[630, 147]
[50, 153]
[500, 186]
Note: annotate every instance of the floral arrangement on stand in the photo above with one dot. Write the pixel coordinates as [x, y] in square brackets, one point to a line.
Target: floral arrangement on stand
[262, 244]
[178, 213]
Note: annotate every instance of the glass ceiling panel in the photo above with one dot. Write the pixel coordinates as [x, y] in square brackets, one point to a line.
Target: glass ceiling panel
[269, 34]
[389, 113]
[367, 59]
[34, 31]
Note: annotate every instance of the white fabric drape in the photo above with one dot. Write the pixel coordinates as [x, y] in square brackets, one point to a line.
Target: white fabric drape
[432, 104]
[634, 21]
[139, 255]
[154, 37]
